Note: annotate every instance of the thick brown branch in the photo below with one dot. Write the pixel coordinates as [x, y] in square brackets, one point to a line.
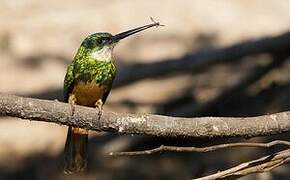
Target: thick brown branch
[163, 148]
[263, 164]
[155, 125]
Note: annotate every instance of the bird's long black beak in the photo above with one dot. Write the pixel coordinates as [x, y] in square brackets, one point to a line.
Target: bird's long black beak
[125, 34]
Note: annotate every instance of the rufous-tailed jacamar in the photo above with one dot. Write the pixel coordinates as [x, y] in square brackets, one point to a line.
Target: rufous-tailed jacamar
[88, 82]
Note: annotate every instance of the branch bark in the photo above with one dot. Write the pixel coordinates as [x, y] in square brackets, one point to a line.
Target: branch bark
[146, 124]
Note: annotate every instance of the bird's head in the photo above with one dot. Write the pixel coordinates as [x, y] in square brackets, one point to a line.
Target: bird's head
[100, 46]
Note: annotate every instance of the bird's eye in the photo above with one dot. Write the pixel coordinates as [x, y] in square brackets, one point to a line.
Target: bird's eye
[101, 41]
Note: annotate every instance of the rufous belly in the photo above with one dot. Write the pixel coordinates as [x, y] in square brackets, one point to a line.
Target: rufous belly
[87, 94]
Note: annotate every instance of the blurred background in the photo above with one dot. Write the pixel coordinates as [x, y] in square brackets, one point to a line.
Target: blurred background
[212, 58]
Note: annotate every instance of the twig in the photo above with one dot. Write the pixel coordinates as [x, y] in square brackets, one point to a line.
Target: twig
[147, 124]
[163, 148]
[263, 164]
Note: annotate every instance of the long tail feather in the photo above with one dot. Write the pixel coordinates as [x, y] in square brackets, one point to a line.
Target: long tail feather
[76, 150]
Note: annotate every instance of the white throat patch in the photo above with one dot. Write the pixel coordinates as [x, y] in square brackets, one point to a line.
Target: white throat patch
[104, 54]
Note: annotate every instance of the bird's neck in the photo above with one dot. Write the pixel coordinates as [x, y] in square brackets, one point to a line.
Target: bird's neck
[105, 54]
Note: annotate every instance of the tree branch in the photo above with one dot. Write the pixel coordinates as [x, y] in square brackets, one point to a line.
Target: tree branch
[163, 148]
[147, 124]
[263, 164]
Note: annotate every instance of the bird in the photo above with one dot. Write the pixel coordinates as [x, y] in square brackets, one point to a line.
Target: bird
[88, 82]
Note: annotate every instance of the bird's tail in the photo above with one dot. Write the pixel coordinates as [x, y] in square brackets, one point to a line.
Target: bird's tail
[76, 150]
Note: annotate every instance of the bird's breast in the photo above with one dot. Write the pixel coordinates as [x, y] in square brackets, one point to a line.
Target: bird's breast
[88, 93]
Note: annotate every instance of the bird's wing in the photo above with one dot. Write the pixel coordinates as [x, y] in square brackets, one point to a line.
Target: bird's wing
[68, 82]
[108, 89]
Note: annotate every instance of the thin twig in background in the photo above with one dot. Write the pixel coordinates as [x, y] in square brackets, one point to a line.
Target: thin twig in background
[163, 148]
[263, 164]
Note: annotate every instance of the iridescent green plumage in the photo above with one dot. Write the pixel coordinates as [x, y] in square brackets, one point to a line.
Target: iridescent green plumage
[102, 73]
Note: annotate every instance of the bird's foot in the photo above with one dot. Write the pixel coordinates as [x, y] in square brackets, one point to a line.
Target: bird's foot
[99, 105]
[72, 101]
